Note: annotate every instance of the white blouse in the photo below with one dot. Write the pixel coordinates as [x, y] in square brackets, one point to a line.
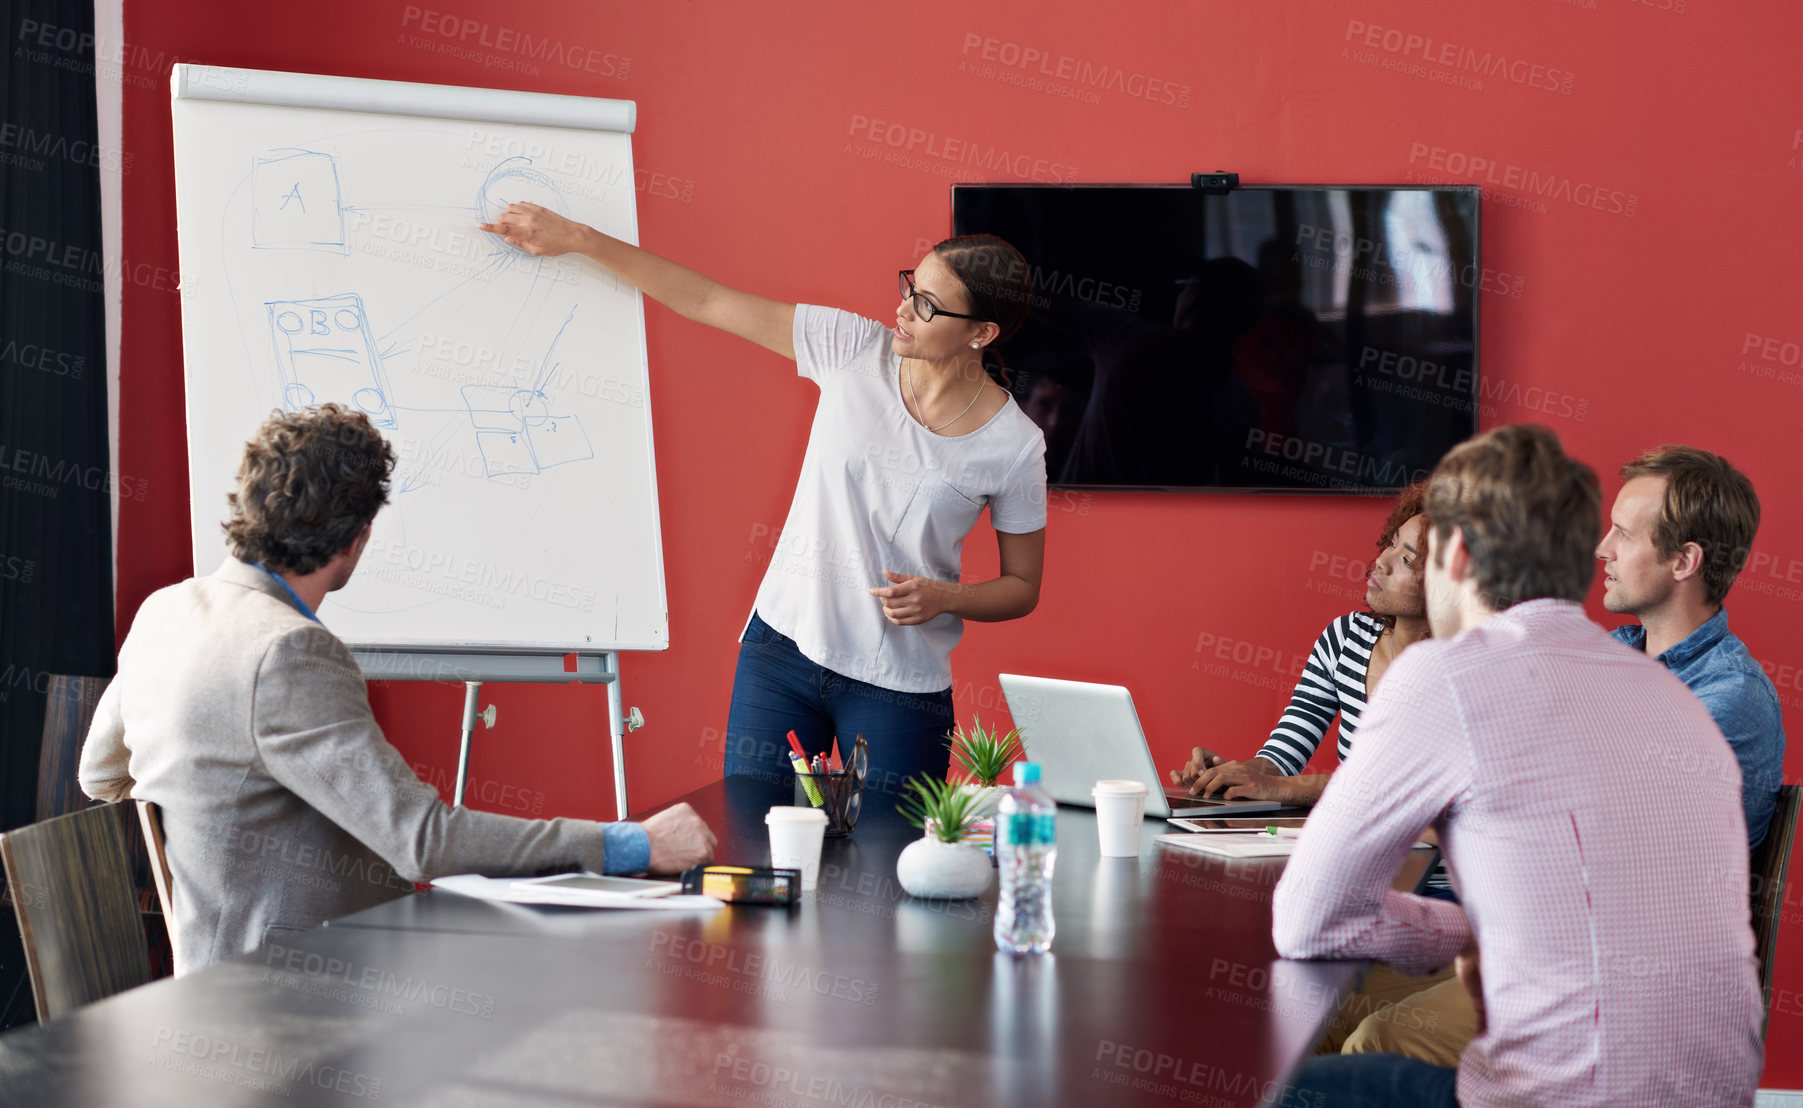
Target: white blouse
[879, 491]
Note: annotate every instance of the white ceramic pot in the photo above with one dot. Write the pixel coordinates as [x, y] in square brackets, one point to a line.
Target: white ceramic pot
[987, 797]
[935, 870]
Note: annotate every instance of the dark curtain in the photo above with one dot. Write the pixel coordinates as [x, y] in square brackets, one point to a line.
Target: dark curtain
[56, 593]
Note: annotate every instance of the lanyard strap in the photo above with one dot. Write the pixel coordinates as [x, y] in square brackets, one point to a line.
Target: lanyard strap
[300, 604]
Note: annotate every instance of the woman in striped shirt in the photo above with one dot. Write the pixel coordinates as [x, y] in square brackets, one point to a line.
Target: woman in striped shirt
[1343, 670]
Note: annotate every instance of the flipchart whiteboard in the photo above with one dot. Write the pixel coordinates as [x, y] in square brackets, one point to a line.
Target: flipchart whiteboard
[329, 251]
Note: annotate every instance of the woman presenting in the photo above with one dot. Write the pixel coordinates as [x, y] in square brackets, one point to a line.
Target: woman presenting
[914, 434]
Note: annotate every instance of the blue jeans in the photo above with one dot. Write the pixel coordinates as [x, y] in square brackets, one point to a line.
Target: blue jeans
[1373, 1081]
[776, 690]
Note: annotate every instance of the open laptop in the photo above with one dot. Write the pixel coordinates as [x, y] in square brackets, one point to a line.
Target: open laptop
[1081, 733]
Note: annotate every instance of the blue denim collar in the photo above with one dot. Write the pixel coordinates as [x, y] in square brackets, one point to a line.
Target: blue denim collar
[1694, 647]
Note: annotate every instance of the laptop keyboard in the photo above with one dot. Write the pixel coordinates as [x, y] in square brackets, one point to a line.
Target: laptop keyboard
[1178, 798]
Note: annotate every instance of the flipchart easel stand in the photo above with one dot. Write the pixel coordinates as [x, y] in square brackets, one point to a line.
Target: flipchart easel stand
[474, 670]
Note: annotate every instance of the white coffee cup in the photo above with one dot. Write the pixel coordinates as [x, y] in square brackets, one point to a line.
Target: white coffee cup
[1120, 808]
[795, 838]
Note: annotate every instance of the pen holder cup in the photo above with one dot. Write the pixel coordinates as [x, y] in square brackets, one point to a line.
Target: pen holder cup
[834, 793]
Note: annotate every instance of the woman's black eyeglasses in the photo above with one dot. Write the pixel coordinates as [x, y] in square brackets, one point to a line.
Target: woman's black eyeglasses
[925, 308]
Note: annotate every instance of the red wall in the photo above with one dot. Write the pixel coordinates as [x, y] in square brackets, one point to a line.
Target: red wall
[1640, 293]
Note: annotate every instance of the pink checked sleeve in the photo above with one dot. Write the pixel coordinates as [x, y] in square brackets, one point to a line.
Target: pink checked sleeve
[1410, 764]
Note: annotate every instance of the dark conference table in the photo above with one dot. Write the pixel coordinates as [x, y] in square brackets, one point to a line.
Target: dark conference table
[1162, 987]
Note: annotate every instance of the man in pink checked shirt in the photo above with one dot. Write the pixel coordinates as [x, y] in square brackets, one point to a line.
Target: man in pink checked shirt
[1611, 907]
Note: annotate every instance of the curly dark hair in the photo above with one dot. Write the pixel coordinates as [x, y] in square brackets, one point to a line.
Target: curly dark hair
[310, 482]
[1410, 502]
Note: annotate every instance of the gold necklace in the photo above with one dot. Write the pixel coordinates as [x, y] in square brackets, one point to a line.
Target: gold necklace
[922, 411]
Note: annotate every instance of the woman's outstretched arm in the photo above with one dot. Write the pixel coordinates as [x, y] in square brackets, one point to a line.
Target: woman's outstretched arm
[541, 231]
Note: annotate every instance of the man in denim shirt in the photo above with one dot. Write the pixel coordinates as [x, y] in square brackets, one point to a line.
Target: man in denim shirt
[1678, 536]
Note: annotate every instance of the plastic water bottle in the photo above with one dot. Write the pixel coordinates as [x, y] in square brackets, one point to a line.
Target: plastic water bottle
[1026, 845]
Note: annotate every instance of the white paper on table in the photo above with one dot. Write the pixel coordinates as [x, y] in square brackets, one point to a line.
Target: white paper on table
[1248, 844]
[1251, 844]
[504, 889]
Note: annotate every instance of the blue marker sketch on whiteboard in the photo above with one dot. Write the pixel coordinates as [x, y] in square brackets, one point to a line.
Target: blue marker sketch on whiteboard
[324, 350]
[326, 347]
[518, 430]
[513, 179]
[356, 276]
[296, 203]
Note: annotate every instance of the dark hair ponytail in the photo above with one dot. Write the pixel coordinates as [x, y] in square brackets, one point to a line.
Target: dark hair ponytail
[996, 367]
[1000, 287]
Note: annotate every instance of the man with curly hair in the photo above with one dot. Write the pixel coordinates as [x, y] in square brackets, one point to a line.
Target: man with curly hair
[247, 721]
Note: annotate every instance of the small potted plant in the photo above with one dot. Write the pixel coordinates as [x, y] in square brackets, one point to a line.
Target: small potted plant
[982, 757]
[941, 864]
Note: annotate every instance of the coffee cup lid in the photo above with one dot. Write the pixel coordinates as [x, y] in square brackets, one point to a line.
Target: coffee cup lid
[1110, 786]
[788, 813]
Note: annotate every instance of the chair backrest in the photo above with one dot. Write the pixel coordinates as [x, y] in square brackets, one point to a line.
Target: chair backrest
[150, 818]
[68, 710]
[72, 891]
[1770, 861]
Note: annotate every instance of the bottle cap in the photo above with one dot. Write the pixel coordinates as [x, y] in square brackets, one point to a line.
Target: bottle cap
[1026, 773]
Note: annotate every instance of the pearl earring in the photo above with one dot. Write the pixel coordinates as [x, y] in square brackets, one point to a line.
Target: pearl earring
[974, 345]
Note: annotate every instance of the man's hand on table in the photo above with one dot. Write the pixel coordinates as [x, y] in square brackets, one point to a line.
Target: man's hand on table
[679, 839]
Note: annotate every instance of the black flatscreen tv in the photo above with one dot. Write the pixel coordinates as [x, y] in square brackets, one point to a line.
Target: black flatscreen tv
[1287, 338]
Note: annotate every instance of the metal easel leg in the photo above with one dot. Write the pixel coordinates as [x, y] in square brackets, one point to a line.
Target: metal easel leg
[471, 692]
[616, 727]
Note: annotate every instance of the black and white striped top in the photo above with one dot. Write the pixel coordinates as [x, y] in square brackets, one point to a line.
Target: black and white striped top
[1333, 682]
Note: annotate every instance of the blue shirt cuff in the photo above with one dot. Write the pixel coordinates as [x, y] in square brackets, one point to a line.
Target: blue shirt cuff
[627, 847]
